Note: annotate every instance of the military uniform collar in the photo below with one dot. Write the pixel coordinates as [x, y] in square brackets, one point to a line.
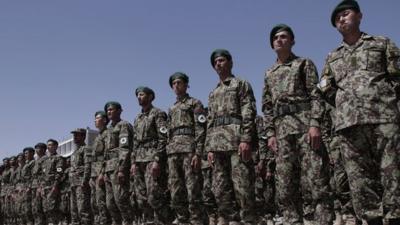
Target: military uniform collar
[182, 98]
[288, 62]
[364, 36]
[227, 81]
[112, 124]
[147, 112]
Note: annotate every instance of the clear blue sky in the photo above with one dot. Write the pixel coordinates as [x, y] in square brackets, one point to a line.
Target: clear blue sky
[60, 61]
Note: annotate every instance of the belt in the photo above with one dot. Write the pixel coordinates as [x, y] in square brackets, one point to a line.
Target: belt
[183, 131]
[291, 108]
[226, 120]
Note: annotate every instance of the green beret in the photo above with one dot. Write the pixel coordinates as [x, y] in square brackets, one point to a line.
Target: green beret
[345, 4]
[278, 28]
[41, 145]
[220, 52]
[146, 90]
[112, 103]
[30, 149]
[178, 75]
[101, 113]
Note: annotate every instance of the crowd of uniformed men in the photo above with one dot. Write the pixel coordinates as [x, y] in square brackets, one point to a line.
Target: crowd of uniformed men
[325, 151]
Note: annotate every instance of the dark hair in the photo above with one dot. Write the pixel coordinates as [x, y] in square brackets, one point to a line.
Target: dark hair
[52, 140]
[41, 145]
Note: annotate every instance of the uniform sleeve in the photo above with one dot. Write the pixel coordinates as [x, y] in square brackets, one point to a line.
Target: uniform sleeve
[161, 126]
[327, 84]
[88, 159]
[200, 126]
[125, 144]
[60, 167]
[268, 109]
[393, 65]
[248, 111]
[311, 82]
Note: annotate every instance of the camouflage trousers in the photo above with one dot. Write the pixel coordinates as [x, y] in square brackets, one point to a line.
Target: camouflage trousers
[37, 208]
[151, 193]
[26, 206]
[65, 206]
[298, 167]
[233, 186]
[51, 205]
[339, 181]
[117, 198]
[80, 205]
[98, 203]
[208, 198]
[371, 159]
[184, 184]
[265, 197]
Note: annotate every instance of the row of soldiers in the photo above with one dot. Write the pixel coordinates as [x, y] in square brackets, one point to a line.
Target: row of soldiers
[321, 145]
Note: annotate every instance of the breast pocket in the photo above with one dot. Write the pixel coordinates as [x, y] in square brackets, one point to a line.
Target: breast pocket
[375, 59]
[231, 101]
[338, 68]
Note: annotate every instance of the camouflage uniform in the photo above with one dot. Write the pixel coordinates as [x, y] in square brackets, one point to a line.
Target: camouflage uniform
[65, 190]
[4, 192]
[186, 122]
[118, 145]
[264, 186]
[231, 115]
[53, 169]
[26, 207]
[98, 196]
[362, 82]
[149, 145]
[79, 176]
[37, 198]
[14, 195]
[291, 105]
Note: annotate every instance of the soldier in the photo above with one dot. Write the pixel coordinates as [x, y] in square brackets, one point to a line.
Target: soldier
[264, 162]
[37, 174]
[26, 175]
[118, 147]
[5, 178]
[186, 123]
[293, 110]
[230, 133]
[53, 169]
[361, 78]
[79, 175]
[12, 191]
[65, 191]
[149, 158]
[98, 196]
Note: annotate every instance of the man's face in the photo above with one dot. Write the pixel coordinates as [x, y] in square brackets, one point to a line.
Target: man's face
[282, 41]
[12, 162]
[28, 155]
[222, 65]
[179, 87]
[113, 113]
[79, 138]
[40, 151]
[144, 99]
[52, 147]
[100, 122]
[21, 159]
[348, 21]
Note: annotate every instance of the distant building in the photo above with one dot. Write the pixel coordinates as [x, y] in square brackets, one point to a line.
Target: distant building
[67, 147]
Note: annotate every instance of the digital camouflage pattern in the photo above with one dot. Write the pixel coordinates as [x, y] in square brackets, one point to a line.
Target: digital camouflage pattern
[79, 176]
[292, 103]
[186, 122]
[231, 115]
[118, 145]
[65, 190]
[150, 145]
[37, 199]
[26, 201]
[53, 169]
[98, 192]
[362, 81]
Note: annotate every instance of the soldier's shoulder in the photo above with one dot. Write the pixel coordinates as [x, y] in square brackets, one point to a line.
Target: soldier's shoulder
[158, 111]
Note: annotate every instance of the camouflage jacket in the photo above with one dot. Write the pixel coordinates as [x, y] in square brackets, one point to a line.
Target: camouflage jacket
[118, 146]
[26, 174]
[98, 153]
[263, 153]
[5, 181]
[53, 169]
[231, 114]
[291, 85]
[150, 135]
[14, 179]
[37, 172]
[65, 183]
[80, 165]
[186, 123]
[362, 81]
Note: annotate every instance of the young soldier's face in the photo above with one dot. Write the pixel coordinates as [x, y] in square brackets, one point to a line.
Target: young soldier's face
[348, 21]
[282, 41]
[144, 99]
[79, 138]
[179, 87]
[52, 147]
[100, 122]
[222, 65]
[113, 113]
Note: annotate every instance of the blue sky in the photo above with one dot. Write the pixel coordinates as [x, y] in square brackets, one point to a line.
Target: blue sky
[60, 61]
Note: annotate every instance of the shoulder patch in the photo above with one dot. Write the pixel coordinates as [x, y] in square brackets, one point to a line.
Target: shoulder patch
[163, 130]
[123, 140]
[59, 169]
[201, 118]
